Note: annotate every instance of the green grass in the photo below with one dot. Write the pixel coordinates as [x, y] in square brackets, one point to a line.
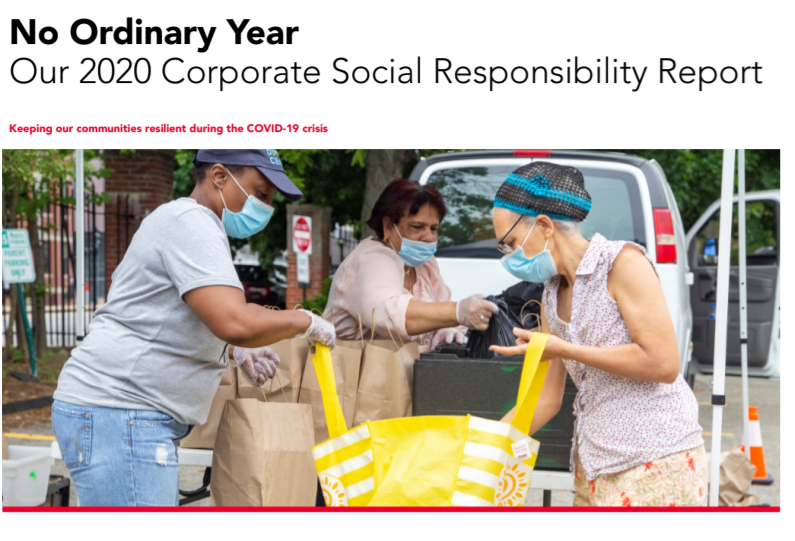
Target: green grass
[49, 363]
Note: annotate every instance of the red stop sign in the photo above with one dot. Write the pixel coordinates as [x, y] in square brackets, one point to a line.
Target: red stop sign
[302, 235]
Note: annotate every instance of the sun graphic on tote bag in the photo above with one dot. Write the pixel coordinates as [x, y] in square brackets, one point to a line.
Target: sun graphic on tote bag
[512, 486]
[333, 491]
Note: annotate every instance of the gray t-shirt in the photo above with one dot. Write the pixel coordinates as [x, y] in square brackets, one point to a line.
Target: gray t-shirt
[146, 349]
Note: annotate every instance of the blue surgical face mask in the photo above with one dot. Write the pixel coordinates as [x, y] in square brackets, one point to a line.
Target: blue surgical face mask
[252, 219]
[414, 252]
[539, 268]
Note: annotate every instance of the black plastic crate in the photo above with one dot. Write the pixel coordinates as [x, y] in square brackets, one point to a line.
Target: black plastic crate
[57, 492]
[447, 383]
[456, 350]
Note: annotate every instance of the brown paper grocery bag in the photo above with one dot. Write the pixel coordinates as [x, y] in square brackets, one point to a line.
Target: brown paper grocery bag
[203, 436]
[736, 474]
[386, 377]
[263, 455]
[385, 381]
[293, 353]
[346, 359]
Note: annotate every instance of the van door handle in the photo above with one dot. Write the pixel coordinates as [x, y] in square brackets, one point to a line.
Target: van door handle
[707, 285]
[710, 295]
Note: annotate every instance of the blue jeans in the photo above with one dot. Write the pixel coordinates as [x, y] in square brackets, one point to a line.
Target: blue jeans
[119, 457]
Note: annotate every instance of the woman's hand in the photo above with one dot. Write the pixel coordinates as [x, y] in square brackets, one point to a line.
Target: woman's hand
[319, 330]
[475, 312]
[448, 336]
[256, 364]
[554, 348]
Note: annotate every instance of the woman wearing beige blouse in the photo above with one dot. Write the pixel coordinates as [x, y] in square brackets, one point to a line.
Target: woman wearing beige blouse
[396, 277]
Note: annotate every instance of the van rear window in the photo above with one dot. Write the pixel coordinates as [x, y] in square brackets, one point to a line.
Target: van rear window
[469, 192]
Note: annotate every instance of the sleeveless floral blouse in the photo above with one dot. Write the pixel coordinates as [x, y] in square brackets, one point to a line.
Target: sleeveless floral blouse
[620, 423]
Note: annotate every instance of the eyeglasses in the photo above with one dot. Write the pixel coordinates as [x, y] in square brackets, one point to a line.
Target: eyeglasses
[501, 246]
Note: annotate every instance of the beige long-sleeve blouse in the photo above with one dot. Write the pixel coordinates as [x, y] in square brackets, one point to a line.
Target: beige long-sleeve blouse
[371, 278]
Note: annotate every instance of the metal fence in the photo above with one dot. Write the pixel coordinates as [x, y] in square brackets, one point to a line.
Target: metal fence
[342, 242]
[59, 240]
[58, 237]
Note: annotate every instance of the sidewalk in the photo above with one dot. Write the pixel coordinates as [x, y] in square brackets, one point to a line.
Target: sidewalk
[762, 393]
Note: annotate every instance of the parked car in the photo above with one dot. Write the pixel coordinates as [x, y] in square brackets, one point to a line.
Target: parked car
[763, 257]
[631, 201]
[278, 275]
[258, 287]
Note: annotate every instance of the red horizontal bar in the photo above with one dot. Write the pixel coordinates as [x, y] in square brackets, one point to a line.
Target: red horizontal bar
[775, 509]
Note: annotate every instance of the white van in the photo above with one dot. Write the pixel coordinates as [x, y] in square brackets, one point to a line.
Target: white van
[763, 258]
[631, 201]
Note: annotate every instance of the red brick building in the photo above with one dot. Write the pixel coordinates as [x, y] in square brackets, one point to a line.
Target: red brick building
[141, 182]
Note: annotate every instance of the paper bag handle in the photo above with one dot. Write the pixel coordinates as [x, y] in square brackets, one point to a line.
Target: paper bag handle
[522, 317]
[254, 388]
[321, 360]
[534, 372]
[270, 391]
[372, 324]
[389, 320]
[361, 331]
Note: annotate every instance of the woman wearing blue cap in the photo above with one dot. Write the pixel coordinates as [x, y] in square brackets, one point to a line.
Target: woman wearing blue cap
[637, 440]
[176, 317]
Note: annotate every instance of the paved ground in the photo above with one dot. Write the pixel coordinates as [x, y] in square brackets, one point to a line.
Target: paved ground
[765, 394]
[762, 393]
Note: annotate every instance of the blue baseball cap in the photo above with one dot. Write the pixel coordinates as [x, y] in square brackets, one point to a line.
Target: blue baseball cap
[266, 160]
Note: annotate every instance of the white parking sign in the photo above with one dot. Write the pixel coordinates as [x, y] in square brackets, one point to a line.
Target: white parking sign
[17, 257]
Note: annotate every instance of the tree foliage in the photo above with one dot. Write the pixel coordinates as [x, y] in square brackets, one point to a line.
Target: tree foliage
[33, 179]
[695, 175]
[37, 177]
[336, 177]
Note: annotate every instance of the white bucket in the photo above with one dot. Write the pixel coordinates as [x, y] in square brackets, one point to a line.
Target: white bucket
[26, 475]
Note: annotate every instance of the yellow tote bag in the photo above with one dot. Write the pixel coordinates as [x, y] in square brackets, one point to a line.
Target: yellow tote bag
[432, 460]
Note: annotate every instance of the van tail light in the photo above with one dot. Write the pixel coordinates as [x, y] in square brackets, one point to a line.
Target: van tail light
[666, 240]
[532, 153]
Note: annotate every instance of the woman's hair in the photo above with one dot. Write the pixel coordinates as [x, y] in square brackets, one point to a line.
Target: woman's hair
[401, 195]
[567, 227]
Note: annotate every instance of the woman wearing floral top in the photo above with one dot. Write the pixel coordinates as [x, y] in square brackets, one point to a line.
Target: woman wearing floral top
[637, 440]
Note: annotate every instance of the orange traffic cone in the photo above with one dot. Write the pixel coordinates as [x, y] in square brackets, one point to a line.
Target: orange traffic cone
[761, 476]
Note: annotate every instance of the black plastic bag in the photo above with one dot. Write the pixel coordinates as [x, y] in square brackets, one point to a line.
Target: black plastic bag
[499, 332]
[524, 301]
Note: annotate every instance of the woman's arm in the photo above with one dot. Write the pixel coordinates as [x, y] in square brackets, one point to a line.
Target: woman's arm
[422, 317]
[229, 317]
[441, 294]
[550, 400]
[653, 354]
[551, 397]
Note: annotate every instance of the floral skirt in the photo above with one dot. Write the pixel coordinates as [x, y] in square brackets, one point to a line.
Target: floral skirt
[680, 479]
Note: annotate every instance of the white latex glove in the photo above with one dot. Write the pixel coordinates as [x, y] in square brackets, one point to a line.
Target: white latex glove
[319, 330]
[448, 336]
[256, 364]
[475, 312]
